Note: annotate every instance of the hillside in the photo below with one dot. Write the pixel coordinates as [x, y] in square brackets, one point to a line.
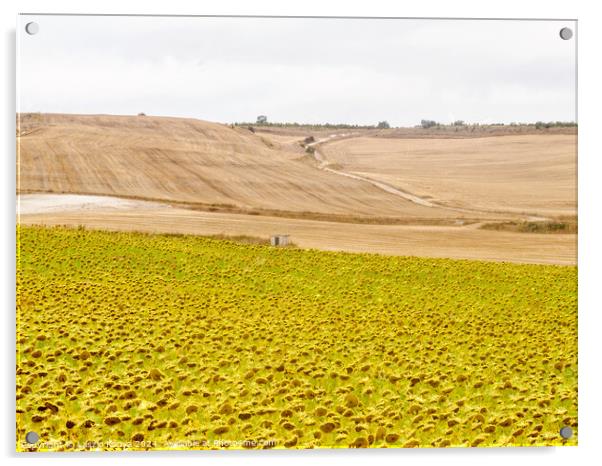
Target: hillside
[357, 193]
[187, 160]
[514, 173]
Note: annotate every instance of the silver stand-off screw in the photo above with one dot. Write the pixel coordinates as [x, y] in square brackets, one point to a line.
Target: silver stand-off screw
[32, 437]
[32, 28]
[566, 33]
[566, 432]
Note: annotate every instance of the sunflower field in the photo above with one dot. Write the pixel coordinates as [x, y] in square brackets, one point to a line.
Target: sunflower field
[131, 341]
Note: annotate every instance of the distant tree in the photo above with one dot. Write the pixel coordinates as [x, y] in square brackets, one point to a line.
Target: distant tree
[458, 123]
[428, 123]
[262, 119]
[142, 114]
[383, 125]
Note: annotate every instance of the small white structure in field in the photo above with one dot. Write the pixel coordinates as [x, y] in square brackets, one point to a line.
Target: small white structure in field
[279, 240]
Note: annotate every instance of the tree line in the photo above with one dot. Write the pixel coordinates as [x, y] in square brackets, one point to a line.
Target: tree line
[262, 121]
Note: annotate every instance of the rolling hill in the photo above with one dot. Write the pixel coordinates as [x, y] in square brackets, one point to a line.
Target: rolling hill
[190, 161]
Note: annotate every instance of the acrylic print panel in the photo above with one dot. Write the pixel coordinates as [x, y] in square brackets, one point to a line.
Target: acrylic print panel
[295, 233]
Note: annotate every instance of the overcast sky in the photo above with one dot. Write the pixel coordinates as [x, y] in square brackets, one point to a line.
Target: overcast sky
[305, 70]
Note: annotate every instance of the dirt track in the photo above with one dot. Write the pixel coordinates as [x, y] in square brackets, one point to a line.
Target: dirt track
[535, 174]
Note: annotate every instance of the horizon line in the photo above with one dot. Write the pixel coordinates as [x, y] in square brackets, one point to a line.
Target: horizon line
[295, 123]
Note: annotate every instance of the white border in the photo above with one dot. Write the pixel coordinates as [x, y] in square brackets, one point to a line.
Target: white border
[590, 231]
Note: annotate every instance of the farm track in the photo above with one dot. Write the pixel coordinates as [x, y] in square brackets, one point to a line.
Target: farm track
[529, 176]
[323, 164]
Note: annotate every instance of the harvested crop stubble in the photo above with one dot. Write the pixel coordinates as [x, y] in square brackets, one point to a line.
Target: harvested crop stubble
[150, 339]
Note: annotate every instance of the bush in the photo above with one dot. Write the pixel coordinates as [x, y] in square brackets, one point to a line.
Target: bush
[428, 123]
[554, 124]
[533, 227]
